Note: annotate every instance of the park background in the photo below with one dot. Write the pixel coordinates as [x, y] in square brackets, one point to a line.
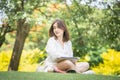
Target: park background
[94, 27]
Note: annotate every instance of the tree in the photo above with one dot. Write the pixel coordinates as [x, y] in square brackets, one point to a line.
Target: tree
[77, 18]
[110, 26]
[19, 13]
[4, 29]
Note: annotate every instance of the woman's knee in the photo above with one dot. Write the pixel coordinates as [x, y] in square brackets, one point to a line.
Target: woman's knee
[82, 66]
[70, 64]
[86, 64]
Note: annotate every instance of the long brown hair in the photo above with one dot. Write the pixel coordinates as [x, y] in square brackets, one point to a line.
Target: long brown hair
[62, 26]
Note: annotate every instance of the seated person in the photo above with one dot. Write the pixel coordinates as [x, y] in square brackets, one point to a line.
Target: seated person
[59, 45]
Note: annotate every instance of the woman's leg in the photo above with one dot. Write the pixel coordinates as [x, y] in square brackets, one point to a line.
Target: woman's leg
[65, 65]
[82, 67]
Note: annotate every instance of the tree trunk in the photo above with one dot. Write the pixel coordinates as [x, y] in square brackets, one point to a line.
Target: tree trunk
[21, 34]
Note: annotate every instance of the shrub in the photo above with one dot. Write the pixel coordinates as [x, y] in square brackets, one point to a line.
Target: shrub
[28, 62]
[110, 65]
[4, 60]
[93, 56]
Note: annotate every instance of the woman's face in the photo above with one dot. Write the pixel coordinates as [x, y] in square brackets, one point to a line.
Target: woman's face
[58, 32]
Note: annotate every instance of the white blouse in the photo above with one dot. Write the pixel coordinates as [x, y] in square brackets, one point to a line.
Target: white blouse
[55, 50]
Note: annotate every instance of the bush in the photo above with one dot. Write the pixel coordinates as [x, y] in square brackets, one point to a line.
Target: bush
[110, 65]
[29, 59]
[93, 56]
[4, 60]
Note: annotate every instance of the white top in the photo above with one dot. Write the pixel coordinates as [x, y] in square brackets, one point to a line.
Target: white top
[55, 50]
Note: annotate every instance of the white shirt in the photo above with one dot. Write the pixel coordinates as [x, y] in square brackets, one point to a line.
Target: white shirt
[55, 50]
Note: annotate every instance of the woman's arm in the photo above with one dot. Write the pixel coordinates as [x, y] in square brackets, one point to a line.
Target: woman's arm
[70, 51]
[52, 50]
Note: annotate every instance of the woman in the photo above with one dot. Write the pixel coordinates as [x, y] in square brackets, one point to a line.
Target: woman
[59, 45]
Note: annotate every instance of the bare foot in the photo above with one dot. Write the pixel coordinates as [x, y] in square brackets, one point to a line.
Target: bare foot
[58, 70]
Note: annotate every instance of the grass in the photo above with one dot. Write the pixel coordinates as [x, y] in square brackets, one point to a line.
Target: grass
[52, 76]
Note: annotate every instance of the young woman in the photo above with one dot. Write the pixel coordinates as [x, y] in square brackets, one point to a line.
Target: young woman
[59, 45]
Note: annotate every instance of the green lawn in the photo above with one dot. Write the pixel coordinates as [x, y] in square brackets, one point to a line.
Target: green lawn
[52, 76]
